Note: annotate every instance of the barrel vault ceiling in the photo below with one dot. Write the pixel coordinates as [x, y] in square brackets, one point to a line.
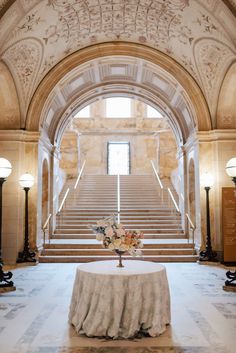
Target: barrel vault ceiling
[199, 34]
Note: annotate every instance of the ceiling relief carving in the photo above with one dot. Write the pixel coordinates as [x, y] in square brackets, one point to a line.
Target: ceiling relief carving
[63, 27]
[212, 59]
[24, 60]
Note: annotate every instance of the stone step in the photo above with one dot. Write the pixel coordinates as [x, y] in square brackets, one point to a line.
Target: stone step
[94, 244]
[78, 259]
[147, 230]
[65, 236]
[79, 218]
[125, 213]
[142, 207]
[127, 223]
[106, 252]
[112, 208]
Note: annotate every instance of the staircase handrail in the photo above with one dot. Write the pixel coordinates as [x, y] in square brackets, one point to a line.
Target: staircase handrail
[157, 175]
[118, 198]
[63, 200]
[79, 176]
[192, 226]
[44, 227]
[173, 200]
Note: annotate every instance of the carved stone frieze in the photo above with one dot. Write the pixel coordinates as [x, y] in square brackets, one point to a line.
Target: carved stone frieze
[212, 59]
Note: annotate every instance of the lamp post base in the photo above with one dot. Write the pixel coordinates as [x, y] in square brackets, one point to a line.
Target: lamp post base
[5, 282]
[207, 255]
[26, 256]
[232, 278]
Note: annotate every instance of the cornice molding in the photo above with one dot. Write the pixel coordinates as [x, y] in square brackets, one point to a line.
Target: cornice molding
[19, 136]
[216, 135]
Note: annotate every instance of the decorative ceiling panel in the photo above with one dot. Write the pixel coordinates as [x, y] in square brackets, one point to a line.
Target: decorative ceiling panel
[63, 27]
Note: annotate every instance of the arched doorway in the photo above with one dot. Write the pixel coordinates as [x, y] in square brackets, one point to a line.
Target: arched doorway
[129, 70]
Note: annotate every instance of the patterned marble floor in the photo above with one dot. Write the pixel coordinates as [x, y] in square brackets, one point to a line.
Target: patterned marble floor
[33, 319]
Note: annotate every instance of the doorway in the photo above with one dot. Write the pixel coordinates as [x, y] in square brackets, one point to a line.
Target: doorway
[118, 158]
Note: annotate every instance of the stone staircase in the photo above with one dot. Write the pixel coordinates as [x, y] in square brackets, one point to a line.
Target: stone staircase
[141, 208]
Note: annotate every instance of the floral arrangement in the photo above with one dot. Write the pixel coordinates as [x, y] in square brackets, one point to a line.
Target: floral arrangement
[114, 236]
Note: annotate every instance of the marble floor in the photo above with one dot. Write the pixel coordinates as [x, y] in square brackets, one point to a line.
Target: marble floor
[33, 319]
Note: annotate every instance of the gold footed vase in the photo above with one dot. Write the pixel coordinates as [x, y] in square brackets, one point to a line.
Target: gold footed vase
[120, 253]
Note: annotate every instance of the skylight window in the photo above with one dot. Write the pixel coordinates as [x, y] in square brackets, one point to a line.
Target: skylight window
[83, 113]
[118, 107]
[153, 113]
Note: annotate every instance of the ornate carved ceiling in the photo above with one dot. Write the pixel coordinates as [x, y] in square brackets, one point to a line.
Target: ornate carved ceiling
[36, 35]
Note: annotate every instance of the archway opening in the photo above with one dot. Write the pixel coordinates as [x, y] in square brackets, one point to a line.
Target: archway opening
[142, 128]
[131, 71]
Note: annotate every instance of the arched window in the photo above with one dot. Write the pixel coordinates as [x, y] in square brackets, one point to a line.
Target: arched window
[83, 113]
[118, 107]
[153, 113]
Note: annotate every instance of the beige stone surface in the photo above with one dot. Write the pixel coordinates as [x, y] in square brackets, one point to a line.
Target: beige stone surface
[149, 138]
[10, 111]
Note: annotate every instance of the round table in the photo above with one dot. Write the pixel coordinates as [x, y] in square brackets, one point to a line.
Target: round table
[119, 302]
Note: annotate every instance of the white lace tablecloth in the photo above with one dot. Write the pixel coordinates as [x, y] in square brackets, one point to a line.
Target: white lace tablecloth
[120, 302]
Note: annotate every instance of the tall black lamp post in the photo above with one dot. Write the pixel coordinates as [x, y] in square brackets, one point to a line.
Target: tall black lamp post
[208, 254]
[231, 171]
[27, 255]
[5, 171]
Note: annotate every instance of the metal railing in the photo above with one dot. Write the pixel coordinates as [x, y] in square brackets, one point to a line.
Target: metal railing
[63, 200]
[191, 226]
[157, 176]
[173, 200]
[68, 189]
[79, 176]
[44, 228]
[118, 198]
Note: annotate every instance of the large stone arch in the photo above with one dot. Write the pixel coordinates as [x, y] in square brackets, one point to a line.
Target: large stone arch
[187, 97]
[179, 129]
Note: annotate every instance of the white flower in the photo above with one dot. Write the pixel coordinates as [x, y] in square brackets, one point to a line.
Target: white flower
[140, 244]
[101, 223]
[111, 246]
[99, 236]
[120, 232]
[117, 243]
[138, 252]
[124, 247]
[131, 252]
[109, 232]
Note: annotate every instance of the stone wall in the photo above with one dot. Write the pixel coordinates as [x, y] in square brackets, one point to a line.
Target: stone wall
[149, 138]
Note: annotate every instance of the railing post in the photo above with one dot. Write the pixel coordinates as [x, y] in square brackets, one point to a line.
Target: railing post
[173, 200]
[118, 198]
[159, 181]
[191, 226]
[44, 227]
[79, 176]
